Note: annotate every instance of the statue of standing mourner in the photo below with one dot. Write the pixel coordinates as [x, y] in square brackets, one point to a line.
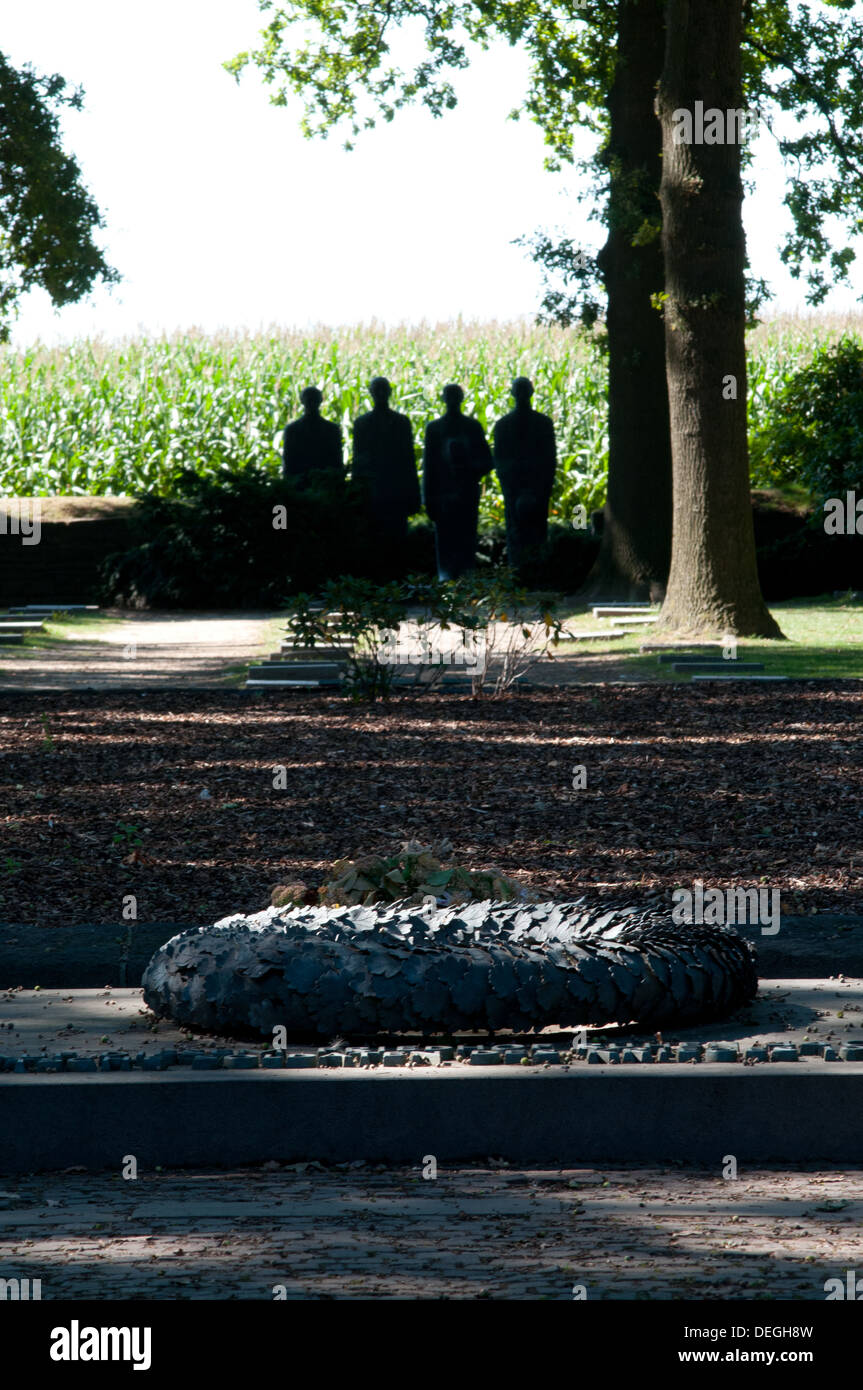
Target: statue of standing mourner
[525, 457]
[312, 445]
[384, 460]
[456, 456]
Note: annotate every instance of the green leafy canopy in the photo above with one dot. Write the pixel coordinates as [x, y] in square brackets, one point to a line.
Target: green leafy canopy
[47, 217]
[801, 65]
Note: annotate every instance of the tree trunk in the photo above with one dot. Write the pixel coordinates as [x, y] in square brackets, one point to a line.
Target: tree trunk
[713, 583]
[636, 540]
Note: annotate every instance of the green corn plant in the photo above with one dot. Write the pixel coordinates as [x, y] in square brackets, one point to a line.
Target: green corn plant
[119, 418]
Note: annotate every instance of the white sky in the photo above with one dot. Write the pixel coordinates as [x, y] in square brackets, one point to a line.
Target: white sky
[219, 214]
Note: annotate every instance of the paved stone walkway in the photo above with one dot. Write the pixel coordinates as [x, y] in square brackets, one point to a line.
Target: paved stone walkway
[489, 1231]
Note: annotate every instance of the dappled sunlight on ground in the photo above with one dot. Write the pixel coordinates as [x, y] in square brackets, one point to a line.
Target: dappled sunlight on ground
[489, 1231]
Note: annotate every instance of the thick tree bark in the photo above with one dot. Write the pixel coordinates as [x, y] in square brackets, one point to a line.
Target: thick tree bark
[713, 582]
[636, 541]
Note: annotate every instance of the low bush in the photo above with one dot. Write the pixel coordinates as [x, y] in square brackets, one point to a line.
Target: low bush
[812, 433]
[807, 562]
[244, 540]
[563, 563]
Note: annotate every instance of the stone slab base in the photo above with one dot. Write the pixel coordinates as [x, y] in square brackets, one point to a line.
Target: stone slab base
[785, 1112]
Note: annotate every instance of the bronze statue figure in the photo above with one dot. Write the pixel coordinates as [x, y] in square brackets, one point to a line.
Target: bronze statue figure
[525, 458]
[312, 445]
[385, 463]
[456, 457]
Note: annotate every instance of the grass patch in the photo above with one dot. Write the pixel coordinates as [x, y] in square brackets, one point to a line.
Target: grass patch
[73, 627]
[824, 641]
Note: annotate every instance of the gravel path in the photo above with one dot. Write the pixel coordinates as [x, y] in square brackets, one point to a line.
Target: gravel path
[143, 651]
[197, 649]
[309, 1232]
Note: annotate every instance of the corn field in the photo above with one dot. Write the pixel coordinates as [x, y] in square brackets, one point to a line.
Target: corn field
[97, 418]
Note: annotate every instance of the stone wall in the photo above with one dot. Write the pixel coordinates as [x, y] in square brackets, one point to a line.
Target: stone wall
[76, 534]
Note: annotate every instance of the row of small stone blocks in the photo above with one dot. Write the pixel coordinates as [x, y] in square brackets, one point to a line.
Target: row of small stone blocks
[510, 1055]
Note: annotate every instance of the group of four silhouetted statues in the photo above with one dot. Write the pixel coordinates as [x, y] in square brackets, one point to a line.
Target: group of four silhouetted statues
[456, 456]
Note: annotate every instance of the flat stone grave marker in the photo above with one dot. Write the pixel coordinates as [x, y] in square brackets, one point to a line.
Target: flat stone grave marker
[719, 665]
[590, 636]
[290, 667]
[21, 625]
[287, 653]
[252, 683]
[620, 610]
[680, 647]
[289, 673]
[674, 654]
[450, 679]
[56, 608]
[730, 676]
[633, 622]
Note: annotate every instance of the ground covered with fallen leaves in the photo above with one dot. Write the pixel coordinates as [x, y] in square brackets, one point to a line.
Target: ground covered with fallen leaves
[177, 798]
